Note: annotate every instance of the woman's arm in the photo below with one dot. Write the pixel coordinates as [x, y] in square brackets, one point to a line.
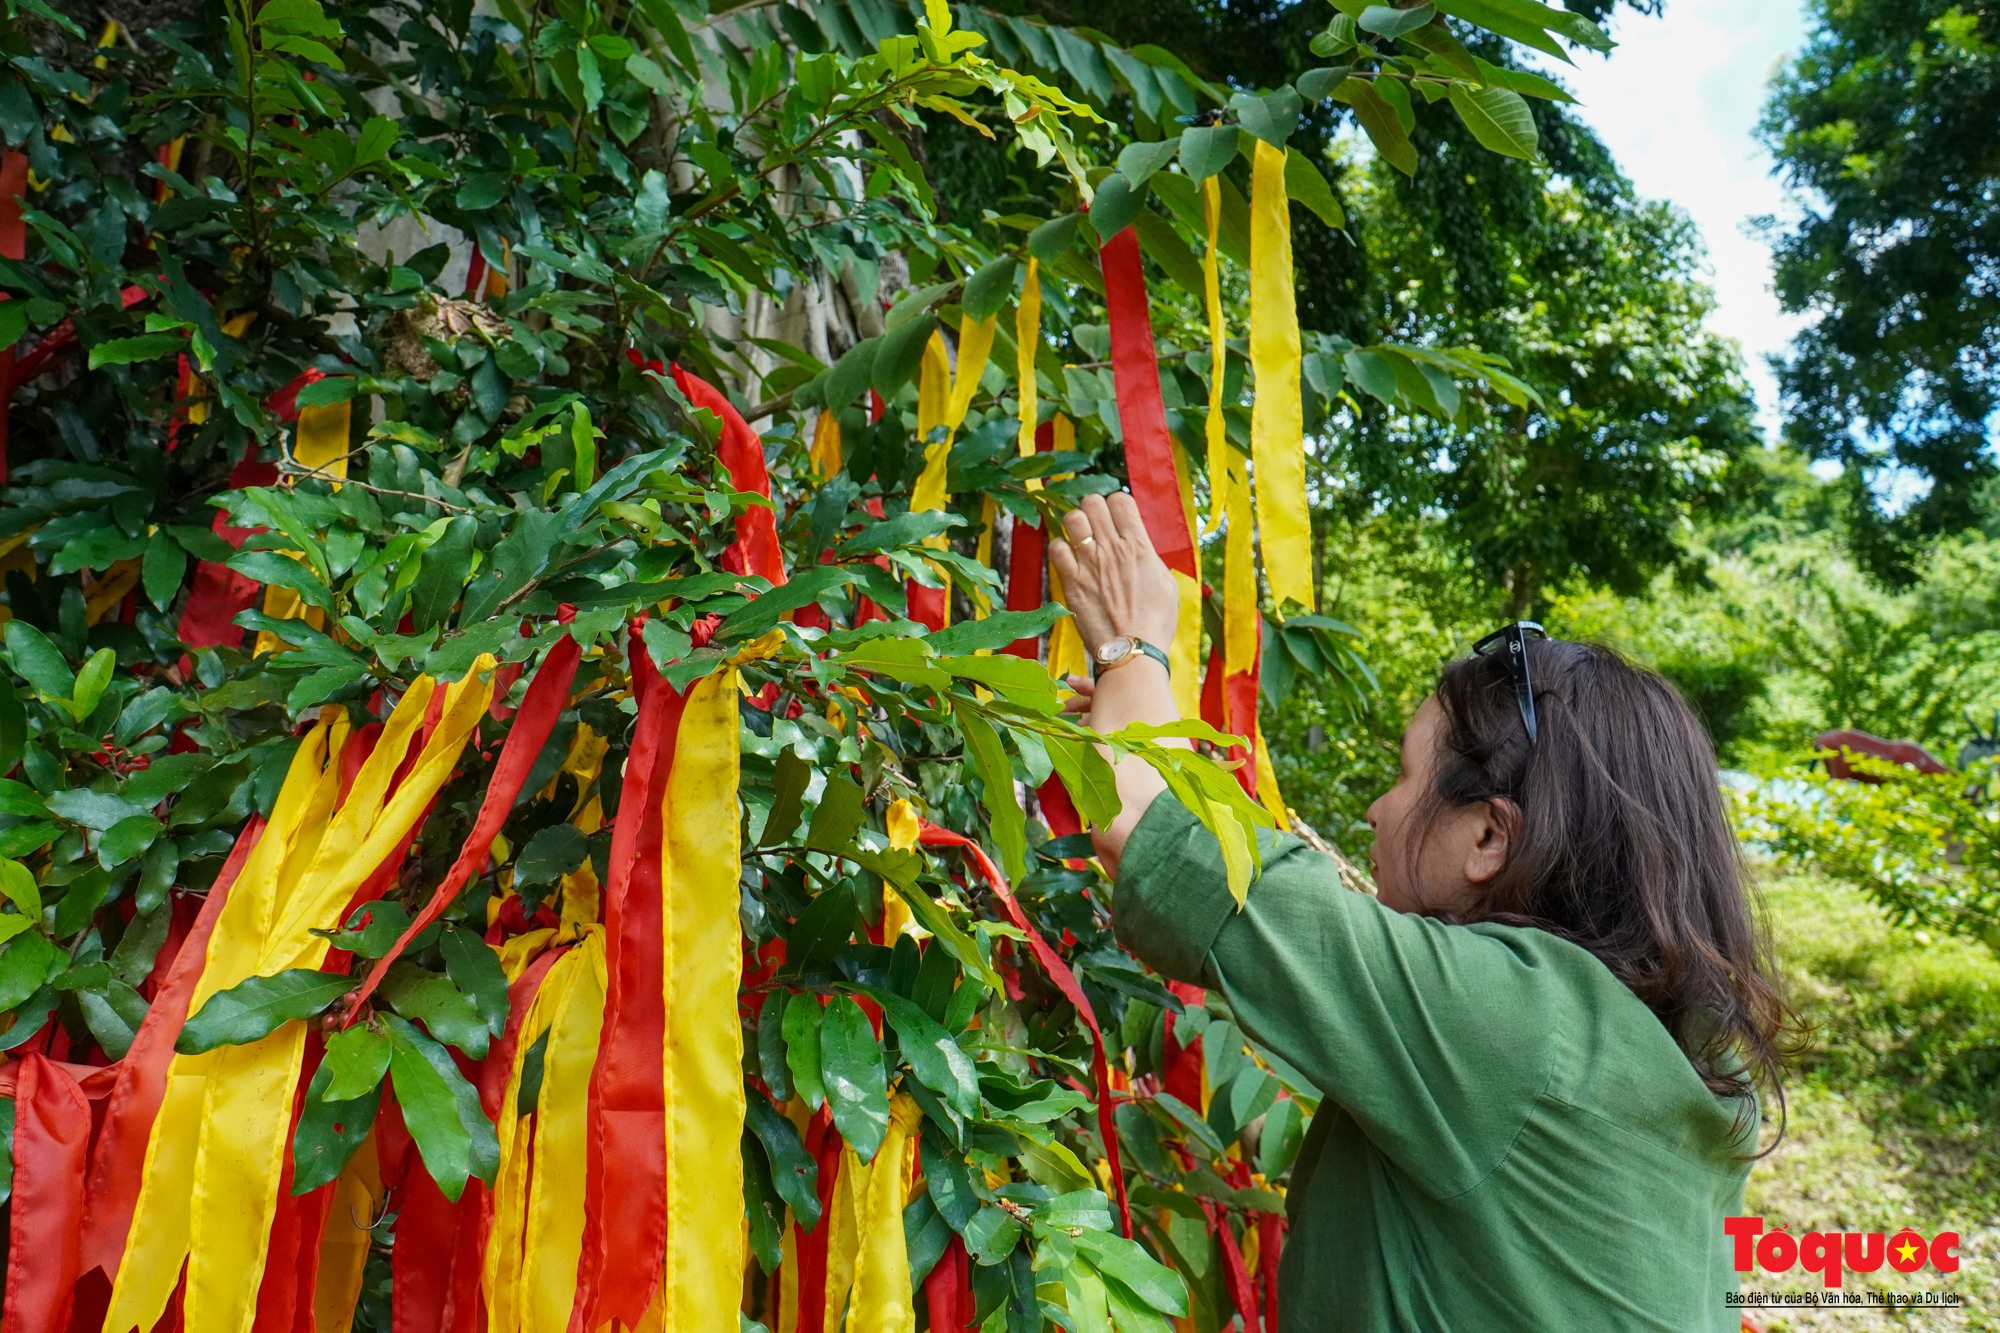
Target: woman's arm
[1117, 585]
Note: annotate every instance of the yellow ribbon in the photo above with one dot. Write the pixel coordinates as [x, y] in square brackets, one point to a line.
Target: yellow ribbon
[1218, 345]
[704, 1053]
[1027, 343]
[540, 1283]
[882, 1302]
[321, 443]
[843, 1236]
[214, 1163]
[1277, 420]
[943, 400]
[826, 456]
[343, 1246]
[1184, 656]
[161, 1218]
[1267, 783]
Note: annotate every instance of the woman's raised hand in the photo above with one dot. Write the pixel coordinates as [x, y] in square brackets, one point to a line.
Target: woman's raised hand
[1115, 581]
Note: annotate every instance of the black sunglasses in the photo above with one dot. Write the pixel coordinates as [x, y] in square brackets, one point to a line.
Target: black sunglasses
[1515, 636]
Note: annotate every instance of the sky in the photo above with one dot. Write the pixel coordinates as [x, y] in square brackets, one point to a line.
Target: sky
[1677, 103]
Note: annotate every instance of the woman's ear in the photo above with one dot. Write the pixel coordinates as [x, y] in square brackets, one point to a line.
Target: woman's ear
[1493, 837]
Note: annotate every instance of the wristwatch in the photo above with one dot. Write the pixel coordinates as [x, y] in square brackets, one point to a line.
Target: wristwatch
[1123, 649]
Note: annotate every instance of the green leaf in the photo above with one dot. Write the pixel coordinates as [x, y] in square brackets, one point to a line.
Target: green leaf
[1509, 18]
[113, 1015]
[1151, 1281]
[442, 576]
[1003, 805]
[1053, 239]
[937, 1061]
[445, 1011]
[258, 1006]
[838, 815]
[1087, 776]
[441, 1110]
[145, 347]
[901, 350]
[850, 374]
[1379, 120]
[17, 882]
[987, 290]
[991, 1235]
[126, 839]
[1316, 85]
[1160, 241]
[356, 1059]
[1274, 117]
[162, 570]
[91, 809]
[1139, 161]
[794, 1173]
[996, 631]
[553, 852]
[1116, 205]
[13, 726]
[857, 1087]
[275, 567]
[1384, 21]
[771, 1049]
[766, 609]
[377, 137]
[788, 790]
[1278, 1145]
[474, 967]
[906, 529]
[386, 920]
[1304, 183]
[802, 1035]
[1208, 149]
[329, 1132]
[1498, 118]
[949, 1183]
[38, 661]
[763, 1210]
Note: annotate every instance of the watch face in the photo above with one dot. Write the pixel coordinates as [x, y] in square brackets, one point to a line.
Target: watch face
[1116, 650]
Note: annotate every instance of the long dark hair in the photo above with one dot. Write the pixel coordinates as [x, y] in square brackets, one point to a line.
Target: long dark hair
[1622, 846]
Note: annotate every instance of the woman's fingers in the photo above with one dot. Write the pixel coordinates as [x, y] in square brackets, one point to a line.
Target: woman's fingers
[1076, 524]
[1086, 694]
[1063, 556]
[1123, 513]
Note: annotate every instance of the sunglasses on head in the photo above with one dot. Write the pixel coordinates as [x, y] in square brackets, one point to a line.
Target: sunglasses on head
[1515, 637]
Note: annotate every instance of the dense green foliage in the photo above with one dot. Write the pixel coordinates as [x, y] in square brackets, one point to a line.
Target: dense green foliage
[1884, 126]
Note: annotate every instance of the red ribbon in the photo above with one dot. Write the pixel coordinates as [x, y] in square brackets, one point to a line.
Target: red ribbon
[291, 1265]
[14, 246]
[625, 1226]
[546, 696]
[51, 1145]
[948, 1291]
[1142, 415]
[1235, 1271]
[1270, 1246]
[220, 594]
[755, 550]
[118, 1163]
[1066, 982]
[467, 1311]
[824, 1143]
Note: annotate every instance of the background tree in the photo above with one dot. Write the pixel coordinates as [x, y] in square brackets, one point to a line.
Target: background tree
[1884, 128]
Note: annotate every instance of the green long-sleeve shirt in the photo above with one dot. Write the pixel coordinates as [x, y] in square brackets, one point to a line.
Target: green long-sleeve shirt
[1510, 1140]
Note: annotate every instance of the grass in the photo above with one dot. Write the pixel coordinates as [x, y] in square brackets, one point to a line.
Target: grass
[1894, 1111]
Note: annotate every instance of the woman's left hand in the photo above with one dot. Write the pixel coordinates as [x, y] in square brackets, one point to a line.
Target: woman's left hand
[1115, 581]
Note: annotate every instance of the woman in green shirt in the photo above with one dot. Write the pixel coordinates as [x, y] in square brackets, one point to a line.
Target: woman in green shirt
[1540, 1049]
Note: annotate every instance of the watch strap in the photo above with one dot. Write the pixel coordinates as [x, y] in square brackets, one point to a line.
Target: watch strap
[1139, 645]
